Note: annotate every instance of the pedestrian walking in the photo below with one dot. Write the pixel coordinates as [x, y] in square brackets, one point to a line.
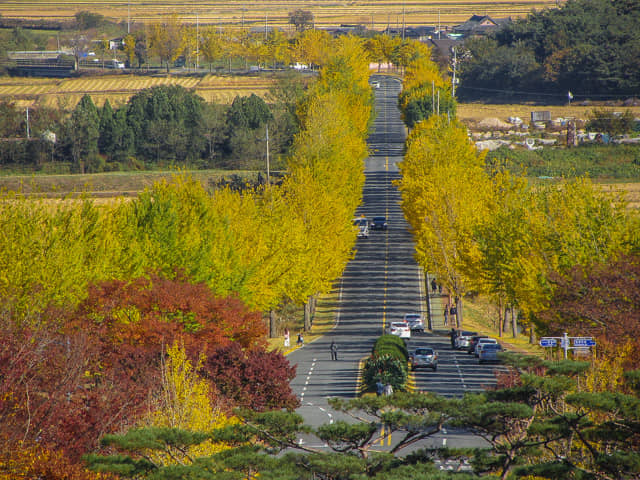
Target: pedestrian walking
[453, 335]
[388, 389]
[434, 285]
[440, 288]
[379, 388]
[287, 338]
[446, 314]
[300, 339]
[334, 350]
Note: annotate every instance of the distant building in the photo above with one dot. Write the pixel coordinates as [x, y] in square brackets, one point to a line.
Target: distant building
[443, 47]
[41, 63]
[480, 25]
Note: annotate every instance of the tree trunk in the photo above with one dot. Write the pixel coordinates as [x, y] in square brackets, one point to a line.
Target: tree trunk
[307, 315]
[500, 319]
[273, 332]
[532, 334]
[459, 315]
[514, 322]
[505, 318]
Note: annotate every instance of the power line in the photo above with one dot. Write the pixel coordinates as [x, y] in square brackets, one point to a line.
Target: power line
[563, 95]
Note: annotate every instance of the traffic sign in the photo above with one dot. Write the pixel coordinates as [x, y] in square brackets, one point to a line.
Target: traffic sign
[583, 342]
[548, 342]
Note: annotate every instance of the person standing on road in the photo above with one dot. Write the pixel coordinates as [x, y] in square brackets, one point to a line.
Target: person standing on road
[379, 388]
[388, 389]
[453, 337]
[446, 314]
[434, 285]
[300, 339]
[287, 338]
[334, 350]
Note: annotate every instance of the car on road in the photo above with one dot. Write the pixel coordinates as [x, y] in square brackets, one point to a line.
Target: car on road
[363, 226]
[424, 357]
[488, 352]
[474, 341]
[401, 329]
[379, 223]
[415, 322]
[464, 339]
[482, 341]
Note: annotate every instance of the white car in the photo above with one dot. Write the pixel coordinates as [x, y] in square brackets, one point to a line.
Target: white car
[415, 322]
[400, 329]
[363, 226]
[483, 341]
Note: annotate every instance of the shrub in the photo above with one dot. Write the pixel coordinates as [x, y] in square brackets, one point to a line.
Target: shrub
[387, 369]
[391, 345]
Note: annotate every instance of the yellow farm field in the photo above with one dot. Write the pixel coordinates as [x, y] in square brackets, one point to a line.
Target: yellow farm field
[475, 112]
[119, 88]
[376, 14]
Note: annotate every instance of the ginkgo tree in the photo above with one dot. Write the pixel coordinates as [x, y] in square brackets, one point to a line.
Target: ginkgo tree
[445, 191]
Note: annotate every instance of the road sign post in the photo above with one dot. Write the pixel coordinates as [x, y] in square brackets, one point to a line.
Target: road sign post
[566, 342]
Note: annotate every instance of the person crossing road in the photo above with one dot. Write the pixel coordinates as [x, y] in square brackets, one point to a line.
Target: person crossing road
[334, 350]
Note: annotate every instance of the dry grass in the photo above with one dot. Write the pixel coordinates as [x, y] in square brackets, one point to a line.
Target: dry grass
[326, 12]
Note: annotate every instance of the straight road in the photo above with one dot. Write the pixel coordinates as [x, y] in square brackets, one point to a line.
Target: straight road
[380, 285]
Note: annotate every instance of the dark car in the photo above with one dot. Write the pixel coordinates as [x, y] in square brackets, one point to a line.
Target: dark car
[473, 342]
[379, 223]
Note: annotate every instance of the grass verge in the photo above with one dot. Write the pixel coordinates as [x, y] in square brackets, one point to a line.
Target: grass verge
[323, 322]
[482, 316]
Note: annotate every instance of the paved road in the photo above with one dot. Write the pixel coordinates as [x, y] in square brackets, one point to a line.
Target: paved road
[380, 285]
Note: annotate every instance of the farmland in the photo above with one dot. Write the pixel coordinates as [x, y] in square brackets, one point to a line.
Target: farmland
[374, 14]
[118, 89]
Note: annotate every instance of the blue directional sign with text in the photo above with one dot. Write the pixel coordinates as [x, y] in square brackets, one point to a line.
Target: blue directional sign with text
[548, 342]
[583, 342]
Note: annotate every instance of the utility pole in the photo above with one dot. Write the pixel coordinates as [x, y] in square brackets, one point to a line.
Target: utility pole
[197, 41]
[403, 23]
[268, 172]
[453, 80]
[128, 17]
[28, 133]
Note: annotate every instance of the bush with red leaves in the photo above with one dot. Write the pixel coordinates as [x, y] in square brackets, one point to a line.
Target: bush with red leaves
[254, 379]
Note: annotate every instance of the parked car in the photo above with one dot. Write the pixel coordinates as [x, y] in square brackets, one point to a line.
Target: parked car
[415, 322]
[363, 227]
[474, 341]
[481, 342]
[424, 357]
[463, 339]
[488, 352]
[400, 329]
[379, 223]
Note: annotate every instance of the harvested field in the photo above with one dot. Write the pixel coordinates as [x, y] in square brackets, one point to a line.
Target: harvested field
[630, 191]
[119, 88]
[476, 112]
[376, 15]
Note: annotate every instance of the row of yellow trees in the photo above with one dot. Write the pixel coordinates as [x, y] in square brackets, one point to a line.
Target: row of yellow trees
[481, 231]
[170, 39]
[265, 245]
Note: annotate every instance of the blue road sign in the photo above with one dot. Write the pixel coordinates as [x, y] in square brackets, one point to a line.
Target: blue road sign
[584, 342]
[548, 342]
